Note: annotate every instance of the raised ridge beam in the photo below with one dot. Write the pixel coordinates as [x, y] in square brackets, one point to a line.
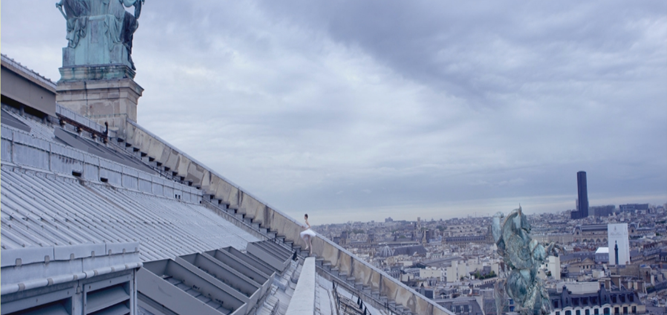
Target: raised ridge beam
[282, 250]
[184, 289]
[251, 260]
[303, 299]
[240, 265]
[249, 288]
[271, 256]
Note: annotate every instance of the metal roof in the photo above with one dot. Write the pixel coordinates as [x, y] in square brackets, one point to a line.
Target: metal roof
[78, 211]
[30, 125]
[41, 209]
[65, 192]
[10, 120]
[95, 148]
[594, 227]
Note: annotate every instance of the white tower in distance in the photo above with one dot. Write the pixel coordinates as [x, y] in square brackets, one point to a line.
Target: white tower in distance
[619, 244]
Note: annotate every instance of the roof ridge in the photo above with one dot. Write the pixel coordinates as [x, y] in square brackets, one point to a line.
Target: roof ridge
[29, 71]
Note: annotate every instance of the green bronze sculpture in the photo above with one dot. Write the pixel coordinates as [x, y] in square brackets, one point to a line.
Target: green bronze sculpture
[523, 257]
[99, 32]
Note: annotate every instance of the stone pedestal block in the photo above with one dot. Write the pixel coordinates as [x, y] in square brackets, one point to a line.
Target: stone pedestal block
[101, 72]
[113, 101]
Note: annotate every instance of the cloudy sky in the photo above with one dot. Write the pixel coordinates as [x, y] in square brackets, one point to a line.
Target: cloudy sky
[359, 110]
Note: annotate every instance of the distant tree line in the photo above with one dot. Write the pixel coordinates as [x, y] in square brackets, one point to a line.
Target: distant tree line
[480, 276]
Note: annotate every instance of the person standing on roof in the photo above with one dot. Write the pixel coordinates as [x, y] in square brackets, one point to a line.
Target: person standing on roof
[307, 235]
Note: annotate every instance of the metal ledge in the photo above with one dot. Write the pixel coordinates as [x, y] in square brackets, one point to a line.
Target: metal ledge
[192, 283]
[303, 299]
[240, 265]
[268, 255]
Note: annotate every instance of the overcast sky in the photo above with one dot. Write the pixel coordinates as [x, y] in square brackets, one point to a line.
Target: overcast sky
[360, 110]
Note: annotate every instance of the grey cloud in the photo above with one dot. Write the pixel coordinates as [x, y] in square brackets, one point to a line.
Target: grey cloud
[396, 107]
[480, 49]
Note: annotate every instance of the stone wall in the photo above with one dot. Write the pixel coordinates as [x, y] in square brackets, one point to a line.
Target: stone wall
[259, 212]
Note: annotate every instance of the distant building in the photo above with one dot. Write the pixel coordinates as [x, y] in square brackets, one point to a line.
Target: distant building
[430, 234]
[582, 197]
[602, 255]
[619, 244]
[591, 233]
[431, 272]
[428, 293]
[413, 250]
[577, 260]
[482, 239]
[553, 266]
[633, 207]
[467, 239]
[594, 302]
[385, 251]
[394, 271]
[462, 305]
[602, 211]
[586, 265]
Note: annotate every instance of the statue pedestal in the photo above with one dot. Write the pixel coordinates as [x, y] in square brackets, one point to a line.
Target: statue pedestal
[95, 72]
[113, 101]
[97, 76]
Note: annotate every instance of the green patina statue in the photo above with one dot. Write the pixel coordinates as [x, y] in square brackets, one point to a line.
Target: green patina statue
[523, 257]
[99, 32]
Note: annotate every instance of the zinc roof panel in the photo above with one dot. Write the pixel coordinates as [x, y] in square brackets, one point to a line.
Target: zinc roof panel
[48, 230]
[7, 242]
[29, 140]
[29, 237]
[7, 133]
[111, 165]
[164, 227]
[67, 151]
[9, 233]
[69, 217]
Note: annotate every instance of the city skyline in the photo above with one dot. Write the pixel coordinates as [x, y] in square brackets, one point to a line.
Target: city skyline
[445, 111]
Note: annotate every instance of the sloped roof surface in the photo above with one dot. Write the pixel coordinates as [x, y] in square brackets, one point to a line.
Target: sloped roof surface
[63, 185]
[10, 120]
[57, 134]
[45, 210]
[100, 150]
[32, 126]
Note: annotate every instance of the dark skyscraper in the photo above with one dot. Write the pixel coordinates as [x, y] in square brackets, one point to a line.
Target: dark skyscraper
[582, 192]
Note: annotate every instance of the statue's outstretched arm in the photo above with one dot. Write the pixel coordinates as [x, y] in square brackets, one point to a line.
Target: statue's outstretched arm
[137, 6]
[59, 5]
[554, 249]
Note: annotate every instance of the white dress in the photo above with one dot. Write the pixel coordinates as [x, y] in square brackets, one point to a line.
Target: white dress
[308, 232]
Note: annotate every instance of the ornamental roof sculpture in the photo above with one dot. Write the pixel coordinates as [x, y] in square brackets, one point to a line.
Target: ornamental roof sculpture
[99, 32]
[523, 257]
